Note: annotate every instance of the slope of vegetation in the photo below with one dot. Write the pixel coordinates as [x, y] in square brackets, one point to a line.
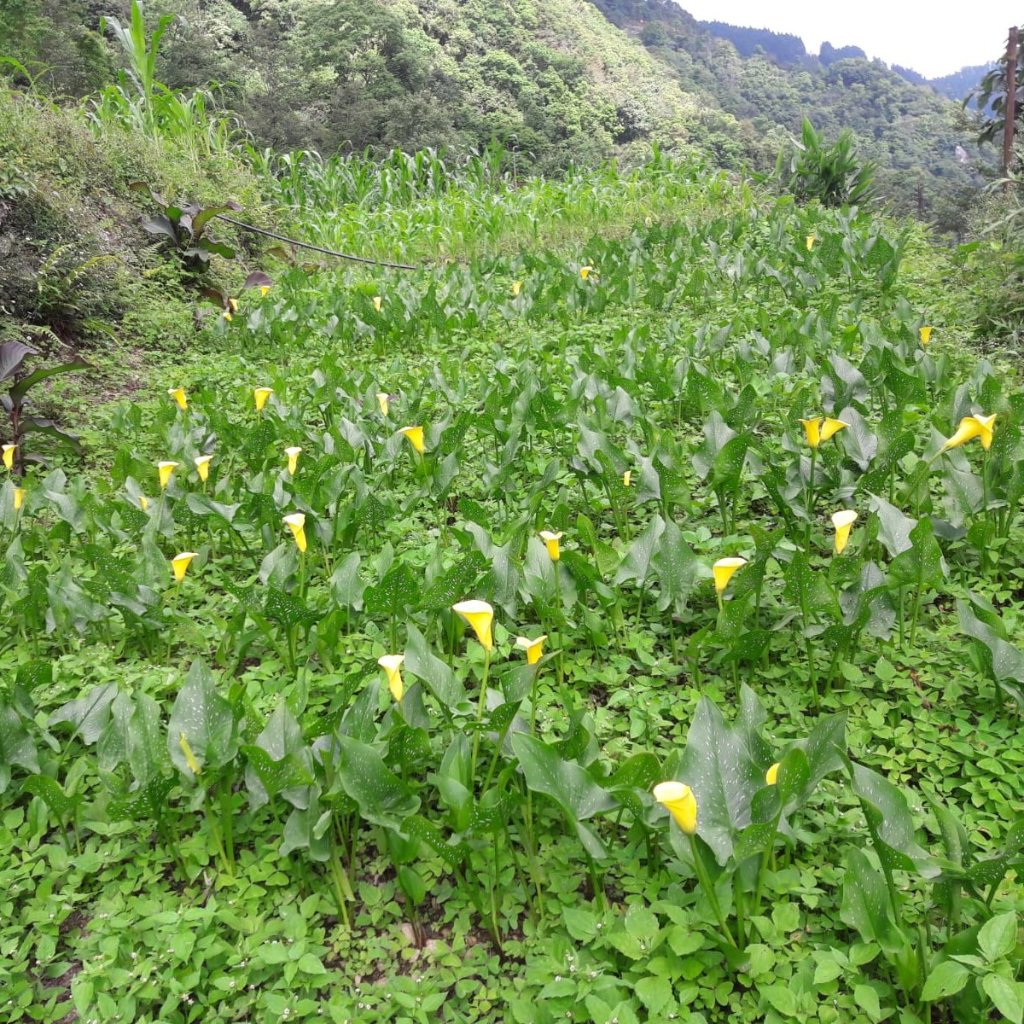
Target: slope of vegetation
[254, 762]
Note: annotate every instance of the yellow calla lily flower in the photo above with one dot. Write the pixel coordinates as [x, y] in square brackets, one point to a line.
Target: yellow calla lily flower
[178, 394]
[233, 303]
[479, 615]
[809, 241]
[19, 498]
[680, 802]
[264, 288]
[771, 777]
[293, 454]
[723, 570]
[190, 759]
[8, 455]
[202, 463]
[165, 470]
[260, 396]
[517, 287]
[970, 428]
[843, 521]
[925, 334]
[533, 648]
[551, 542]
[585, 272]
[415, 437]
[383, 402]
[180, 564]
[392, 665]
[378, 301]
[296, 522]
[627, 478]
[820, 429]
[227, 315]
[143, 502]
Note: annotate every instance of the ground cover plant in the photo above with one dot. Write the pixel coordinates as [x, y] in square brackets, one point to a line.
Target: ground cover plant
[614, 619]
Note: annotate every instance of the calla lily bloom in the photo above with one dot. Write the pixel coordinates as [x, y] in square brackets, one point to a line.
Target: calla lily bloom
[264, 288]
[190, 759]
[551, 542]
[533, 648]
[165, 471]
[771, 777]
[627, 478]
[233, 305]
[260, 396]
[377, 302]
[293, 454]
[392, 665]
[517, 287]
[970, 428]
[178, 394]
[843, 521]
[19, 498]
[809, 241]
[479, 615]
[143, 502]
[821, 429]
[8, 454]
[203, 466]
[680, 802]
[585, 272]
[227, 315]
[415, 436]
[723, 570]
[383, 402]
[180, 564]
[925, 334]
[296, 522]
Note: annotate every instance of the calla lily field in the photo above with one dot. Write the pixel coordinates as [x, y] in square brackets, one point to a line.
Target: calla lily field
[617, 618]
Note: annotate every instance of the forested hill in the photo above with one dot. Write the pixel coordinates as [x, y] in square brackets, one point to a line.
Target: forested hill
[558, 81]
[910, 130]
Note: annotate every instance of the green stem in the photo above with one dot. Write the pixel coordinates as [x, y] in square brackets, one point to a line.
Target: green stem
[481, 708]
[704, 879]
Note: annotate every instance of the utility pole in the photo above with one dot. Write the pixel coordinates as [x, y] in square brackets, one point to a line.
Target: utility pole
[1010, 113]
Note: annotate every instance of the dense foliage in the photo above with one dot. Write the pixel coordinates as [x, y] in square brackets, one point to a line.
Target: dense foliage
[554, 82]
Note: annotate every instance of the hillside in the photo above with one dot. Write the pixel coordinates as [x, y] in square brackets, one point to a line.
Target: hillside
[558, 82]
[908, 129]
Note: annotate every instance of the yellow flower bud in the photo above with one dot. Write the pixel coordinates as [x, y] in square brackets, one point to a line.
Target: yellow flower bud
[551, 542]
[772, 775]
[165, 470]
[392, 665]
[680, 802]
[479, 615]
[296, 522]
[260, 396]
[533, 648]
[293, 454]
[180, 564]
[8, 454]
[723, 570]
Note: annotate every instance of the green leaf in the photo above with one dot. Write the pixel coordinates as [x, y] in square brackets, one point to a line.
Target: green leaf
[566, 783]
[866, 906]
[1007, 996]
[205, 719]
[654, 993]
[383, 798]
[998, 936]
[890, 822]
[431, 670]
[724, 766]
[945, 980]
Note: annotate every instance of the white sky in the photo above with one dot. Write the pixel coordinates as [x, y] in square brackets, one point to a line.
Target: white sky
[934, 38]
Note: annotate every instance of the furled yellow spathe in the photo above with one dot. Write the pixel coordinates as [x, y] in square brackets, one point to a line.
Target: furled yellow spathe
[165, 470]
[392, 665]
[180, 564]
[970, 428]
[723, 570]
[293, 454]
[819, 429]
[479, 615]
[9, 451]
[414, 435]
[552, 543]
[679, 800]
[296, 522]
[534, 648]
[843, 521]
[179, 396]
[260, 396]
[203, 466]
